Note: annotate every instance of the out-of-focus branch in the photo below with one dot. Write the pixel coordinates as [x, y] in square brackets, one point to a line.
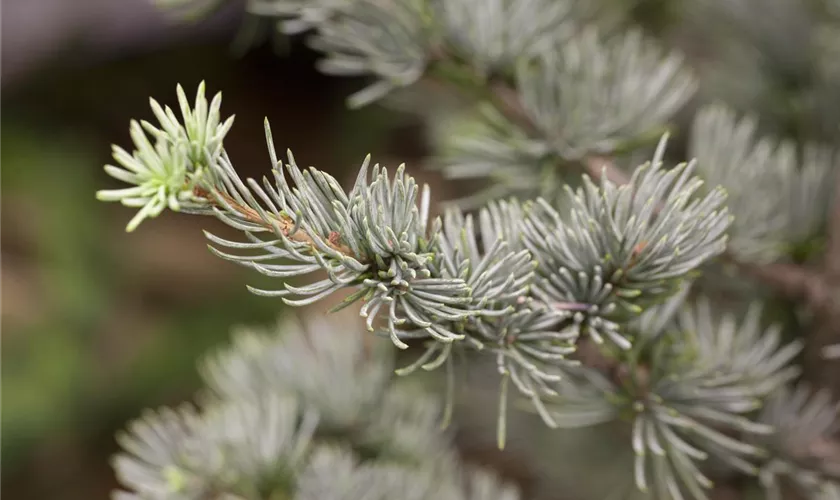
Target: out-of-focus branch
[832, 254]
[597, 166]
[793, 281]
[790, 280]
[827, 328]
[818, 289]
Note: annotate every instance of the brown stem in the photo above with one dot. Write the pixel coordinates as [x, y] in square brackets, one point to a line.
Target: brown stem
[832, 253]
[507, 102]
[598, 166]
[792, 281]
[284, 223]
[827, 327]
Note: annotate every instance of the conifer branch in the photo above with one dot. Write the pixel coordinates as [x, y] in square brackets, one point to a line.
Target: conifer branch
[582, 305]
[598, 167]
[790, 280]
[300, 411]
[832, 251]
[271, 222]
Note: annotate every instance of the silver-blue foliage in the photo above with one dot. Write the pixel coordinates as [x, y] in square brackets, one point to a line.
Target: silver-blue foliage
[390, 40]
[524, 282]
[689, 386]
[281, 359]
[588, 96]
[164, 174]
[530, 283]
[238, 449]
[485, 146]
[804, 422]
[493, 35]
[778, 197]
[272, 427]
[622, 248]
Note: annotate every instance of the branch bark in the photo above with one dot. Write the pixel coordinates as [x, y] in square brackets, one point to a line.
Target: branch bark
[284, 224]
[832, 252]
[827, 329]
[793, 282]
